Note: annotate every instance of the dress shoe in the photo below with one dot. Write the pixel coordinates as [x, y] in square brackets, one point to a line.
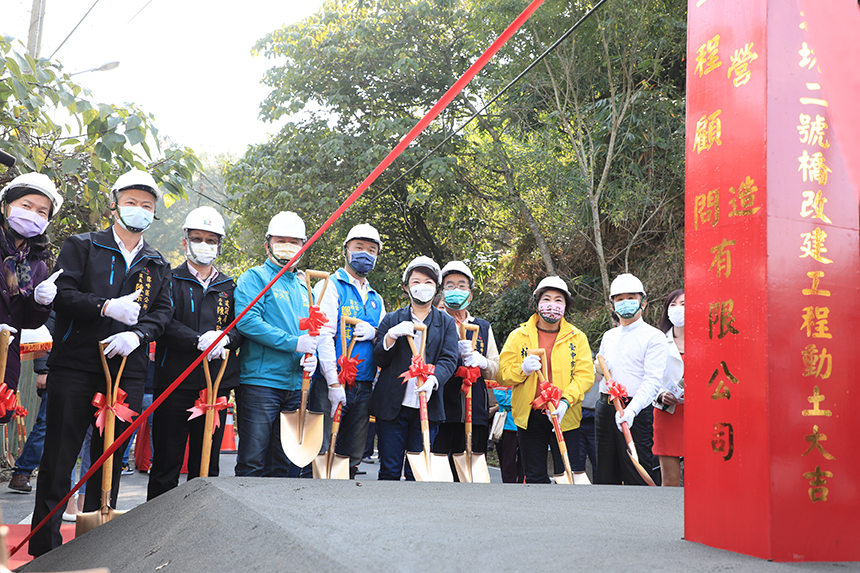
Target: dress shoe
[20, 482]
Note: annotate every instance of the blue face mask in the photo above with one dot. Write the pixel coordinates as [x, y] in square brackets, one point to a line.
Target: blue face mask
[627, 308]
[457, 299]
[361, 262]
[134, 219]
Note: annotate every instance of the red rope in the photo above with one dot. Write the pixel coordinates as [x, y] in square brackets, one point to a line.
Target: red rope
[443, 102]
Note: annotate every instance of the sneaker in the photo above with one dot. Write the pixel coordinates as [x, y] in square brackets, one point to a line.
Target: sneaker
[127, 471]
[70, 517]
[20, 482]
[367, 460]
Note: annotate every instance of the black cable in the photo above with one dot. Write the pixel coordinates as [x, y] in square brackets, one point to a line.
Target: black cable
[73, 30]
[205, 196]
[498, 95]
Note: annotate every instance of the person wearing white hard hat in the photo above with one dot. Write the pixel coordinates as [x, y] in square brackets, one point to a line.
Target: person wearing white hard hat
[349, 294]
[273, 356]
[395, 401]
[202, 300]
[567, 357]
[457, 284]
[636, 353]
[114, 288]
[28, 203]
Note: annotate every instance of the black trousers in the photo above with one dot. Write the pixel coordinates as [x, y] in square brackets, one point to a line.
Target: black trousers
[451, 438]
[70, 412]
[171, 429]
[533, 444]
[614, 466]
[510, 459]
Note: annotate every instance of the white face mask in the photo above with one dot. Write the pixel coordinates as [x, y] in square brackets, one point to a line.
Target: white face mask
[283, 252]
[201, 253]
[422, 294]
[676, 315]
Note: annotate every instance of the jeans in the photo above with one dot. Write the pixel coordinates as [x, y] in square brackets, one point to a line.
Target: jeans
[31, 453]
[395, 438]
[260, 452]
[371, 436]
[533, 444]
[587, 443]
[84, 455]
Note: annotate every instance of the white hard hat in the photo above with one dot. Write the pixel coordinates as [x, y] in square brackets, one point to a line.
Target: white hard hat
[39, 183]
[626, 283]
[422, 262]
[460, 268]
[556, 283]
[136, 179]
[205, 219]
[287, 224]
[364, 231]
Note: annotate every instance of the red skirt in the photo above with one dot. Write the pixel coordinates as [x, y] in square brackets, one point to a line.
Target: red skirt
[669, 432]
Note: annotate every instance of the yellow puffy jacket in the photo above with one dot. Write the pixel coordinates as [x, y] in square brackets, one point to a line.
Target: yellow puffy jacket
[572, 370]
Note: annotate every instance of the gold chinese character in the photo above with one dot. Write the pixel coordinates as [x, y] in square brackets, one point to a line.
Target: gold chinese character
[814, 101]
[812, 132]
[722, 389]
[740, 64]
[722, 258]
[813, 167]
[720, 313]
[723, 440]
[818, 492]
[813, 204]
[807, 57]
[743, 204]
[816, 278]
[707, 209]
[813, 246]
[814, 400]
[707, 56]
[815, 321]
[708, 132]
[815, 440]
[815, 362]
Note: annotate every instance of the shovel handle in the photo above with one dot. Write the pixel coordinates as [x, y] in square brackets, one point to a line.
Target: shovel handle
[625, 429]
[425, 424]
[474, 328]
[343, 322]
[542, 373]
[4, 353]
[309, 274]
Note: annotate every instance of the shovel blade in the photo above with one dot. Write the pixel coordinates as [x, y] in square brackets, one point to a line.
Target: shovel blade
[474, 470]
[562, 478]
[581, 479]
[438, 470]
[301, 449]
[339, 467]
[90, 520]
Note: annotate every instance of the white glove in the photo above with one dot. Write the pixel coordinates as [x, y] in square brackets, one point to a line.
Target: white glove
[307, 344]
[123, 309]
[123, 344]
[561, 410]
[309, 363]
[465, 348]
[428, 387]
[475, 358]
[627, 417]
[10, 329]
[364, 331]
[531, 364]
[405, 328]
[336, 395]
[220, 350]
[47, 290]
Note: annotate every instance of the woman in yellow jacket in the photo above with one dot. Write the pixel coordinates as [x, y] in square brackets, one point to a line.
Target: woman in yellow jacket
[570, 369]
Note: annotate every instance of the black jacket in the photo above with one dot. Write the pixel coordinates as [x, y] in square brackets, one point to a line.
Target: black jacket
[196, 311]
[94, 271]
[441, 351]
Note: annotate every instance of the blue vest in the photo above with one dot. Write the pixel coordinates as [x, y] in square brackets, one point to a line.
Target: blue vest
[350, 304]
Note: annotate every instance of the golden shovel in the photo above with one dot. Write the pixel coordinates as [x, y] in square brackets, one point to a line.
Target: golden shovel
[471, 466]
[566, 477]
[4, 354]
[302, 431]
[209, 420]
[92, 519]
[427, 466]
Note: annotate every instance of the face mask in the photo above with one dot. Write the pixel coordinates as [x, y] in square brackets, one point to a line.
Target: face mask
[134, 219]
[551, 311]
[627, 308]
[283, 252]
[676, 315]
[361, 262]
[422, 294]
[26, 223]
[457, 299]
[201, 253]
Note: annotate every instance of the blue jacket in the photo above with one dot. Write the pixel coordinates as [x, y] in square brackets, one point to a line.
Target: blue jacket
[271, 328]
[350, 304]
[503, 397]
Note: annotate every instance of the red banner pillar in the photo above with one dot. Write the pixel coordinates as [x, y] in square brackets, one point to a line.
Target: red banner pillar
[772, 293]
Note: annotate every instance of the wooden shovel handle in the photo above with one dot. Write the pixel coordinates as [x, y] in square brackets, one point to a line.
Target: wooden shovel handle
[309, 274]
[625, 429]
[542, 375]
[474, 328]
[4, 353]
[343, 322]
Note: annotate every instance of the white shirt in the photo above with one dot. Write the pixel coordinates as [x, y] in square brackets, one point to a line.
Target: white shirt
[205, 282]
[637, 355]
[410, 392]
[126, 254]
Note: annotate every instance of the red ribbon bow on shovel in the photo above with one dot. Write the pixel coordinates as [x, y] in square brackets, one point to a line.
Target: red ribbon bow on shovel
[348, 369]
[315, 319]
[616, 390]
[469, 374]
[119, 407]
[20, 412]
[201, 405]
[418, 369]
[8, 400]
[549, 396]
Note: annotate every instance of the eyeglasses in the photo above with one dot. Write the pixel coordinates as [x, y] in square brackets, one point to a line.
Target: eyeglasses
[449, 286]
[198, 240]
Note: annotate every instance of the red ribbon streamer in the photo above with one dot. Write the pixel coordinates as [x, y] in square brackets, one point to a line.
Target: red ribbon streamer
[616, 390]
[315, 319]
[549, 396]
[348, 369]
[119, 407]
[469, 374]
[418, 369]
[201, 405]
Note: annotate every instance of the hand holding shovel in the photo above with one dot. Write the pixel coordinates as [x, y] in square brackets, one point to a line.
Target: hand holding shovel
[211, 405]
[549, 398]
[471, 467]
